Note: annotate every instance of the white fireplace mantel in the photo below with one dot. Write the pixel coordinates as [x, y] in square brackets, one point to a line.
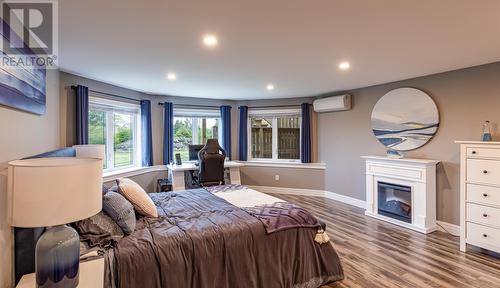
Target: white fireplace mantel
[418, 174]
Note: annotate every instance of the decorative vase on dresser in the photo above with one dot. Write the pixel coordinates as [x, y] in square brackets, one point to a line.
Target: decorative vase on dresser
[480, 194]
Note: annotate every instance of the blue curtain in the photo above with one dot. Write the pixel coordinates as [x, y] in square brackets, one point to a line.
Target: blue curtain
[225, 115]
[82, 115]
[147, 134]
[305, 140]
[243, 134]
[168, 133]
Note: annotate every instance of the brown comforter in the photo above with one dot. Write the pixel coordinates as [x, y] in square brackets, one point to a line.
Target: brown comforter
[201, 240]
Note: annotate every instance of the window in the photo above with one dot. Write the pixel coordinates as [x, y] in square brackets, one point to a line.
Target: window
[193, 126]
[274, 135]
[116, 125]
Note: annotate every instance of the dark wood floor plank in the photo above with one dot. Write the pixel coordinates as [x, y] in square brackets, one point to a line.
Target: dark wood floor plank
[377, 254]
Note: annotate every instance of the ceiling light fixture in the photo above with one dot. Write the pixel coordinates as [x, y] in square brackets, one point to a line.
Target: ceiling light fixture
[270, 87]
[344, 65]
[210, 40]
[171, 76]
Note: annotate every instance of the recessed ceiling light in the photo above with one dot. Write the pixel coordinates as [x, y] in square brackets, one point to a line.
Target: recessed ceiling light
[270, 87]
[210, 40]
[344, 65]
[171, 76]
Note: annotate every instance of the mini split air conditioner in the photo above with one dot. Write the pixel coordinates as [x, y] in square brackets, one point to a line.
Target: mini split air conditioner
[334, 103]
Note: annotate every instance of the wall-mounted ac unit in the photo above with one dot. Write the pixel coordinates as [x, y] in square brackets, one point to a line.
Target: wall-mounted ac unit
[334, 103]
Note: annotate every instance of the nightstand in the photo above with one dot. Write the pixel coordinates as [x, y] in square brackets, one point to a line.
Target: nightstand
[164, 185]
[91, 275]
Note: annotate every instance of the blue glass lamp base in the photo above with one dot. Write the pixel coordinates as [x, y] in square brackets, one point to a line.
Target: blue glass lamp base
[57, 258]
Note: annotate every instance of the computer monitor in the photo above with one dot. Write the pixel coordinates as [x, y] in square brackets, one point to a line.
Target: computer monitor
[193, 152]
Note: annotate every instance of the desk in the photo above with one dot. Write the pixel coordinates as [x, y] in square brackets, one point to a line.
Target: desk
[91, 276]
[177, 173]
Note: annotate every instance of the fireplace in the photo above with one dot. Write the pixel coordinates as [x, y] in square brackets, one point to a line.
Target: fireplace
[402, 191]
[394, 201]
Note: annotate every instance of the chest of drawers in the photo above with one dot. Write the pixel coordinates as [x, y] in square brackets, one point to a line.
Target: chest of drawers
[480, 195]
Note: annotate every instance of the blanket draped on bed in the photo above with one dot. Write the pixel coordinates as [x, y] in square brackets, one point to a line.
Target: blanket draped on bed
[201, 240]
[275, 214]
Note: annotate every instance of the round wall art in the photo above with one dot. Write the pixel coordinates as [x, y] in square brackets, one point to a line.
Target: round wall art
[405, 119]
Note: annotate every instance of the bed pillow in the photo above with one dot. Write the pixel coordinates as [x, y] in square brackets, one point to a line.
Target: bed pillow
[113, 188]
[120, 210]
[137, 196]
[99, 230]
[104, 189]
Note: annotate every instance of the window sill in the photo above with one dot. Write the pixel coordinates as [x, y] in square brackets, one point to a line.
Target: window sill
[284, 164]
[131, 171]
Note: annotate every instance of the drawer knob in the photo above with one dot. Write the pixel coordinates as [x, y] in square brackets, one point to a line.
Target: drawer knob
[484, 235]
[485, 195]
[474, 152]
[485, 215]
[485, 171]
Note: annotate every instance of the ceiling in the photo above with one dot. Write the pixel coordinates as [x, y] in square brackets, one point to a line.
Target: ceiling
[295, 45]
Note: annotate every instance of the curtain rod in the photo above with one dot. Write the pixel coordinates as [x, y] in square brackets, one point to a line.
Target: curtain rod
[193, 105]
[273, 106]
[109, 94]
[209, 106]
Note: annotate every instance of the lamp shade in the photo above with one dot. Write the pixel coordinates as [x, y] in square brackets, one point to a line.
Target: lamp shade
[53, 191]
[89, 151]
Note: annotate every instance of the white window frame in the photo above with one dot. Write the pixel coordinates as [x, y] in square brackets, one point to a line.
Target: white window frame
[192, 113]
[109, 107]
[274, 114]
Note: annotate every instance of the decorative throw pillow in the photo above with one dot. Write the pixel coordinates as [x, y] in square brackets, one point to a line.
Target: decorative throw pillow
[137, 196]
[99, 230]
[104, 189]
[120, 210]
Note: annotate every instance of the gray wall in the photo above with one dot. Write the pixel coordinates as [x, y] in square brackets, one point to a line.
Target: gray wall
[24, 134]
[301, 178]
[465, 99]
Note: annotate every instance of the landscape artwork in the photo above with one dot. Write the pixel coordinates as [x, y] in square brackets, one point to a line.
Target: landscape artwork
[405, 119]
[23, 86]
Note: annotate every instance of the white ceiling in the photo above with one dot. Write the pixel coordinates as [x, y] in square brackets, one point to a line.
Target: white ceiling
[296, 45]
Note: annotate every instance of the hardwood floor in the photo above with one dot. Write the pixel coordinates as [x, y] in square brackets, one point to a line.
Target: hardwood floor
[378, 254]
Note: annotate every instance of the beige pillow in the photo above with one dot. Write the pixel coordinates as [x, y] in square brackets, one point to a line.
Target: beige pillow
[137, 196]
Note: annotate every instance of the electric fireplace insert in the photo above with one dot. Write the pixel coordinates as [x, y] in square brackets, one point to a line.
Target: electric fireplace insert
[394, 201]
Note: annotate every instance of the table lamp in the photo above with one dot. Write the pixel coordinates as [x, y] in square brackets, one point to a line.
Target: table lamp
[51, 192]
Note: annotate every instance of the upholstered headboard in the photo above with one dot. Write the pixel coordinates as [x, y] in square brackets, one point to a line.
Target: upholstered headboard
[25, 238]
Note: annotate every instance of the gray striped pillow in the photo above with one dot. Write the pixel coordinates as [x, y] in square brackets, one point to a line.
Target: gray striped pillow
[120, 210]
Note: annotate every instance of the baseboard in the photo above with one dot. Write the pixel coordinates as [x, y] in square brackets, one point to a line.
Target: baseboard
[311, 192]
[345, 199]
[291, 191]
[448, 228]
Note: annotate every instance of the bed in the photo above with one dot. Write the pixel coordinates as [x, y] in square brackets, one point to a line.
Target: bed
[221, 236]
[213, 238]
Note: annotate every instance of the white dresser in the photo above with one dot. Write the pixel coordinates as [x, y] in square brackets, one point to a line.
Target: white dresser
[480, 195]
